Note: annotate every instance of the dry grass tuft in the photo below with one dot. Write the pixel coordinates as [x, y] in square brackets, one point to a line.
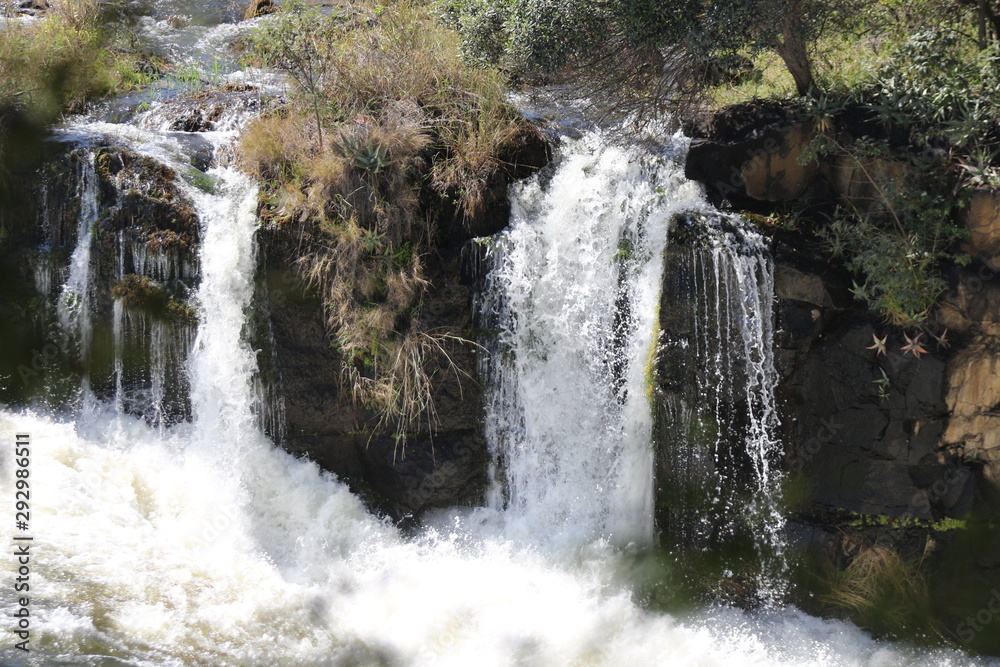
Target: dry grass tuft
[884, 592]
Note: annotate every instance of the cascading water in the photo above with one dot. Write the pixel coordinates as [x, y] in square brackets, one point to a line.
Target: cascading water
[74, 301]
[201, 543]
[716, 412]
[573, 287]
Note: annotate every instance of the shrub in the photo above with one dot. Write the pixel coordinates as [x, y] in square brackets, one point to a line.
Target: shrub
[898, 242]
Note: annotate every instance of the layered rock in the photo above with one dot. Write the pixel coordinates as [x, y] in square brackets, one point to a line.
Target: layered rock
[744, 162]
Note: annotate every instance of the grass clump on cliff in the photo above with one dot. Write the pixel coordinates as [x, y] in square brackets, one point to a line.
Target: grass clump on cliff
[75, 52]
[142, 295]
[884, 592]
[387, 128]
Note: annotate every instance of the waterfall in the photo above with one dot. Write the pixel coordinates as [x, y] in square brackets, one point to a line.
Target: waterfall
[179, 535]
[573, 287]
[222, 363]
[202, 543]
[74, 305]
[580, 410]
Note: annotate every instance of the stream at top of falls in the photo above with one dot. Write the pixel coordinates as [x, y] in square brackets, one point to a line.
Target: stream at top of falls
[204, 544]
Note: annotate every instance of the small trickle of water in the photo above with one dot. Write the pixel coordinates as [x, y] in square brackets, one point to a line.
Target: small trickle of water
[74, 301]
[718, 420]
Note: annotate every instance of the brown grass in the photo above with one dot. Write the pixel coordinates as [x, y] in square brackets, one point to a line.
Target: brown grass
[884, 592]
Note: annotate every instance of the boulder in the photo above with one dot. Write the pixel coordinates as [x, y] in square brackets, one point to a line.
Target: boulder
[795, 285]
[337, 7]
[973, 402]
[766, 166]
[33, 7]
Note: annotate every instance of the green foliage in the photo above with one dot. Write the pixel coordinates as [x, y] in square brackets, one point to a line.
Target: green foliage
[937, 83]
[938, 93]
[298, 40]
[897, 242]
[884, 385]
[364, 154]
[79, 51]
[650, 51]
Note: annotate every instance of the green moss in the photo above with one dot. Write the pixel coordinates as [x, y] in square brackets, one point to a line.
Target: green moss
[624, 252]
[200, 180]
[140, 293]
[858, 520]
[649, 370]
[181, 313]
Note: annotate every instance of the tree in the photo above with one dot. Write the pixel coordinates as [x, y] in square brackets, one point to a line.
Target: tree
[665, 45]
[299, 41]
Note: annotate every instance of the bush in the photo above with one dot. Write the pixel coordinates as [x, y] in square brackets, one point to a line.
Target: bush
[81, 50]
[898, 241]
[929, 109]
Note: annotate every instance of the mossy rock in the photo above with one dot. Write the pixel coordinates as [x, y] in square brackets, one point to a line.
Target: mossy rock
[143, 197]
[139, 293]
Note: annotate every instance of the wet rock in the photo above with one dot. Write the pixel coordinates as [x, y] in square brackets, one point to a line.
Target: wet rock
[438, 472]
[795, 285]
[144, 210]
[203, 111]
[401, 477]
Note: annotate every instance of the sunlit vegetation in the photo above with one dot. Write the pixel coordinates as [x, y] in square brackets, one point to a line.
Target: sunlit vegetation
[386, 119]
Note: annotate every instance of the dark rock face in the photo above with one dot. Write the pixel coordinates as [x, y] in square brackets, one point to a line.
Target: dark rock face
[432, 465]
[864, 429]
[143, 208]
[859, 449]
[400, 477]
[764, 167]
[873, 433]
